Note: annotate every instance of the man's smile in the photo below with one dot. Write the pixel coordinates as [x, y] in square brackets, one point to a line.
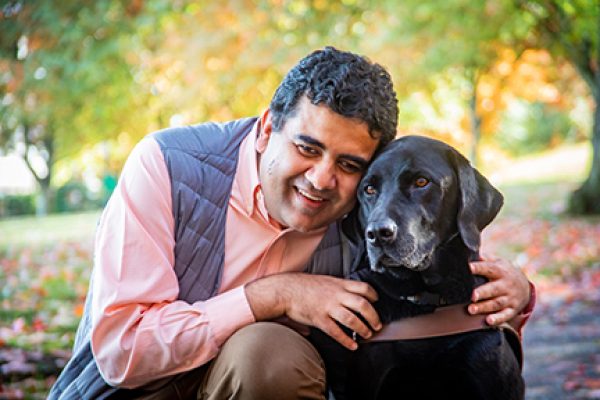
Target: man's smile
[309, 195]
[310, 200]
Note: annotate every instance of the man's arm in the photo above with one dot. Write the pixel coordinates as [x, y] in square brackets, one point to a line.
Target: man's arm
[140, 331]
[316, 300]
[507, 296]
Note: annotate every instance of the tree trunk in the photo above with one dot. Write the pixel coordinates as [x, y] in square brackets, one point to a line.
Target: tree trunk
[475, 129]
[43, 195]
[473, 76]
[586, 199]
[43, 198]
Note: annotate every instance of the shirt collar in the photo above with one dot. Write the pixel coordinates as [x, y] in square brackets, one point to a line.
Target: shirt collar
[246, 179]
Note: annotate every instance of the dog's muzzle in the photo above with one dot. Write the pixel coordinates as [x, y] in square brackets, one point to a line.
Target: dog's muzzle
[381, 232]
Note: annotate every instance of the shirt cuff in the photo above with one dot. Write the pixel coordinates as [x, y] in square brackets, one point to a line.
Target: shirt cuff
[226, 313]
[518, 322]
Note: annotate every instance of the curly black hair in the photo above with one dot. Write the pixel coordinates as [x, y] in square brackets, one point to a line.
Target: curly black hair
[347, 83]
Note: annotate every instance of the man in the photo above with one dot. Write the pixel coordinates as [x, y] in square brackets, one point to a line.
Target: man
[210, 232]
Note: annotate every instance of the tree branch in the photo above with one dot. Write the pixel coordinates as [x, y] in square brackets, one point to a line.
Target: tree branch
[559, 28]
[25, 158]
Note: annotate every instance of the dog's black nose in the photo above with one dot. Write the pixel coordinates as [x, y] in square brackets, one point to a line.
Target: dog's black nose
[381, 232]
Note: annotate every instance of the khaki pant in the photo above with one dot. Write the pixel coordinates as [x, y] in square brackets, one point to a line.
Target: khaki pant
[263, 361]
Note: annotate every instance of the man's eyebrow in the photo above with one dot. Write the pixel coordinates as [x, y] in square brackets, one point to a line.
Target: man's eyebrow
[311, 140]
[355, 159]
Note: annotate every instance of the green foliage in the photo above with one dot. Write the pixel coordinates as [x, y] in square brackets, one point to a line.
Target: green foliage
[533, 127]
[458, 36]
[570, 30]
[75, 74]
[17, 205]
[59, 288]
[455, 36]
[217, 74]
[65, 78]
[74, 196]
[8, 316]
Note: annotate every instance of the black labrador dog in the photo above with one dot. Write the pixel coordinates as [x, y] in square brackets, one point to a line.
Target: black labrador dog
[421, 211]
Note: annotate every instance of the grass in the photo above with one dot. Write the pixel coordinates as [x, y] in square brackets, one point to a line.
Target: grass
[539, 185]
[567, 164]
[48, 230]
[546, 200]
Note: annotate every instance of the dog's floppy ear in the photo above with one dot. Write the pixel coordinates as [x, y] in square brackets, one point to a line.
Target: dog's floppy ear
[480, 202]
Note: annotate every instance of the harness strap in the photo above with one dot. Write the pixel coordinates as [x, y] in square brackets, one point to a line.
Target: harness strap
[443, 321]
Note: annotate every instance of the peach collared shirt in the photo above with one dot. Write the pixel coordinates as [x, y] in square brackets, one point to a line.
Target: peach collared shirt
[140, 331]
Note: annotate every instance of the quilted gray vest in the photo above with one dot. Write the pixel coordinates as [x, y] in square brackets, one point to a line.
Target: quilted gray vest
[201, 161]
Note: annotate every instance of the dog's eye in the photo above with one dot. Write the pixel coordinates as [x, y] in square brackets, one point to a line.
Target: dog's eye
[370, 190]
[421, 182]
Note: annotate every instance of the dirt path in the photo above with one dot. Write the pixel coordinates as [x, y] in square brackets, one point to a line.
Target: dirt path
[562, 344]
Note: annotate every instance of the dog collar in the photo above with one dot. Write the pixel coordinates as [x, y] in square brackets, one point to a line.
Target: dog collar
[425, 298]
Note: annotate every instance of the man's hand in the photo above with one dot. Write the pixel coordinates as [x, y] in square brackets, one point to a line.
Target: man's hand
[504, 296]
[316, 300]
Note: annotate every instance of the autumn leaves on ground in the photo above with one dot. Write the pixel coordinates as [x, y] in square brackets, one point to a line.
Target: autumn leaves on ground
[43, 285]
[561, 256]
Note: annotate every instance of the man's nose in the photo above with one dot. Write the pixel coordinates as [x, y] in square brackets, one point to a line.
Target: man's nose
[322, 175]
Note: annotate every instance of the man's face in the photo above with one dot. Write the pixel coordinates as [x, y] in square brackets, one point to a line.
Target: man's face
[309, 170]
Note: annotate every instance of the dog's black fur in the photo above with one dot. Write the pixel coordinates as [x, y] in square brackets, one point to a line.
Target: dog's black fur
[421, 211]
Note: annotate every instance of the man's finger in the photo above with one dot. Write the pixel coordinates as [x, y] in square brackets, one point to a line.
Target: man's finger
[489, 269]
[351, 321]
[501, 317]
[488, 291]
[362, 289]
[489, 306]
[333, 330]
[363, 307]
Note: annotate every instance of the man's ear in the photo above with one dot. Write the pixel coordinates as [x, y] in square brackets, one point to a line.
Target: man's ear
[480, 202]
[265, 131]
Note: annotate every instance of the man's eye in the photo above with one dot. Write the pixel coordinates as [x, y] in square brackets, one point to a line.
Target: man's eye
[306, 150]
[350, 167]
[421, 182]
[370, 190]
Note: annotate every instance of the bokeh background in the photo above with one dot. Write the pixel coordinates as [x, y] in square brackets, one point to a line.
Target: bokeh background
[514, 84]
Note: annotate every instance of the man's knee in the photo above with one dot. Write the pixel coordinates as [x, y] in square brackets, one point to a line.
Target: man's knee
[267, 360]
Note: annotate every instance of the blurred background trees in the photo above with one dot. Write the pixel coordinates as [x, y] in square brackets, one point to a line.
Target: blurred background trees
[67, 80]
[570, 31]
[82, 82]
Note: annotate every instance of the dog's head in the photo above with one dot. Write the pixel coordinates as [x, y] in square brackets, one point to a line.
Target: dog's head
[417, 195]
